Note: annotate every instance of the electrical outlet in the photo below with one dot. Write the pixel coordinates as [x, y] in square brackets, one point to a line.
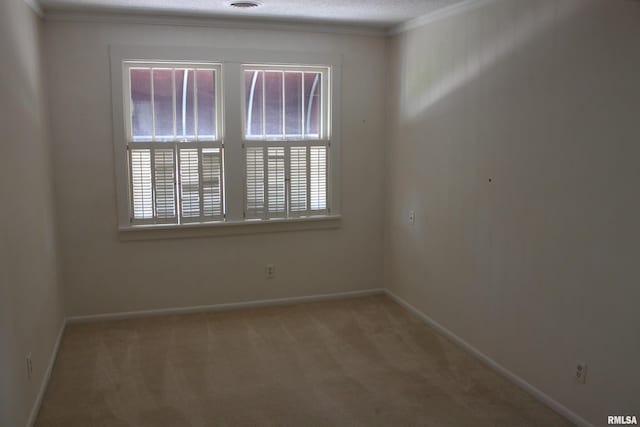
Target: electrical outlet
[29, 366]
[412, 217]
[270, 271]
[581, 372]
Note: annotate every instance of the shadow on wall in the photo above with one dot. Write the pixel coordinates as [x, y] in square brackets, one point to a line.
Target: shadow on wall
[16, 35]
[431, 81]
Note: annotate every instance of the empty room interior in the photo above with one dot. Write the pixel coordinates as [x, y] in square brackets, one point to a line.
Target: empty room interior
[320, 213]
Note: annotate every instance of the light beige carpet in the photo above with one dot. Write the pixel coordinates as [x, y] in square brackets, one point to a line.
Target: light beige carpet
[353, 362]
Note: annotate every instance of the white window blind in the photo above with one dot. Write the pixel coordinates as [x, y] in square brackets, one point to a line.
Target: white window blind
[286, 141]
[174, 142]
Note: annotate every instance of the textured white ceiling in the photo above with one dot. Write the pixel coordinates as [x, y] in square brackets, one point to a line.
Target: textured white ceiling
[380, 13]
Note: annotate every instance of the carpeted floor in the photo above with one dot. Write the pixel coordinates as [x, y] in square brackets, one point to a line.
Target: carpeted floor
[353, 362]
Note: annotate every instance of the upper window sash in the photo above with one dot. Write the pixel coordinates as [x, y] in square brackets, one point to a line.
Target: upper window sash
[285, 103]
[193, 111]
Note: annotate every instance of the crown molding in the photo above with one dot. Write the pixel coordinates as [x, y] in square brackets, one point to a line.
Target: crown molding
[311, 26]
[436, 15]
[35, 6]
[154, 18]
[120, 17]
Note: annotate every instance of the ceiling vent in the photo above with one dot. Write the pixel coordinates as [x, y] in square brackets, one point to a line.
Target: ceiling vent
[244, 4]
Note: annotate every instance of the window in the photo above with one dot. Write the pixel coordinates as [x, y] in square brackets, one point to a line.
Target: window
[173, 141]
[207, 137]
[286, 141]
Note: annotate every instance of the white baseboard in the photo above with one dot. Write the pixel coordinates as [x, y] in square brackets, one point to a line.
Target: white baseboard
[538, 394]
[45, 379]
[221, 307]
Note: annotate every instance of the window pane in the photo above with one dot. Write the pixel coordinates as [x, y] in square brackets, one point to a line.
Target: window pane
[253, 92]
[206, 104]
[312, 91]
[189, 183]
[293, 103]
[163, 103]
[141, 103]
[211, 182]
[165, 190]
[318, 175]
[273, 103]
[275, 175]
[141, 191]
[185, 117]
[298, 179]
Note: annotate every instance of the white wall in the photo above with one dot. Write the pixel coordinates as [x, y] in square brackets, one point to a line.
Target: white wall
[30, 304]
[102, 274]
[538, 268]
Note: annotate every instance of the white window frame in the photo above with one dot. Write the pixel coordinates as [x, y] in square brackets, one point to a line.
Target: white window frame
[176, 144]
[231, 110]
[323, 140]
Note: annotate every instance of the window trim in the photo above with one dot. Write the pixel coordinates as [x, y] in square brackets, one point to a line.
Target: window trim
[231, 61]
[226, 228]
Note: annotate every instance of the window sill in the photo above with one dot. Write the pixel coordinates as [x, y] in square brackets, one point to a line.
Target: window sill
[227, 228]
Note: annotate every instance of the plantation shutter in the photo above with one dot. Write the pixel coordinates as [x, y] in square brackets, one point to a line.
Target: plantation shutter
[212, 182]
[165, 183]
[285, 181]
[276, 181]
[299, 179]
[141, 183]
[255, 182]
[189, 183]
[318, 178]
